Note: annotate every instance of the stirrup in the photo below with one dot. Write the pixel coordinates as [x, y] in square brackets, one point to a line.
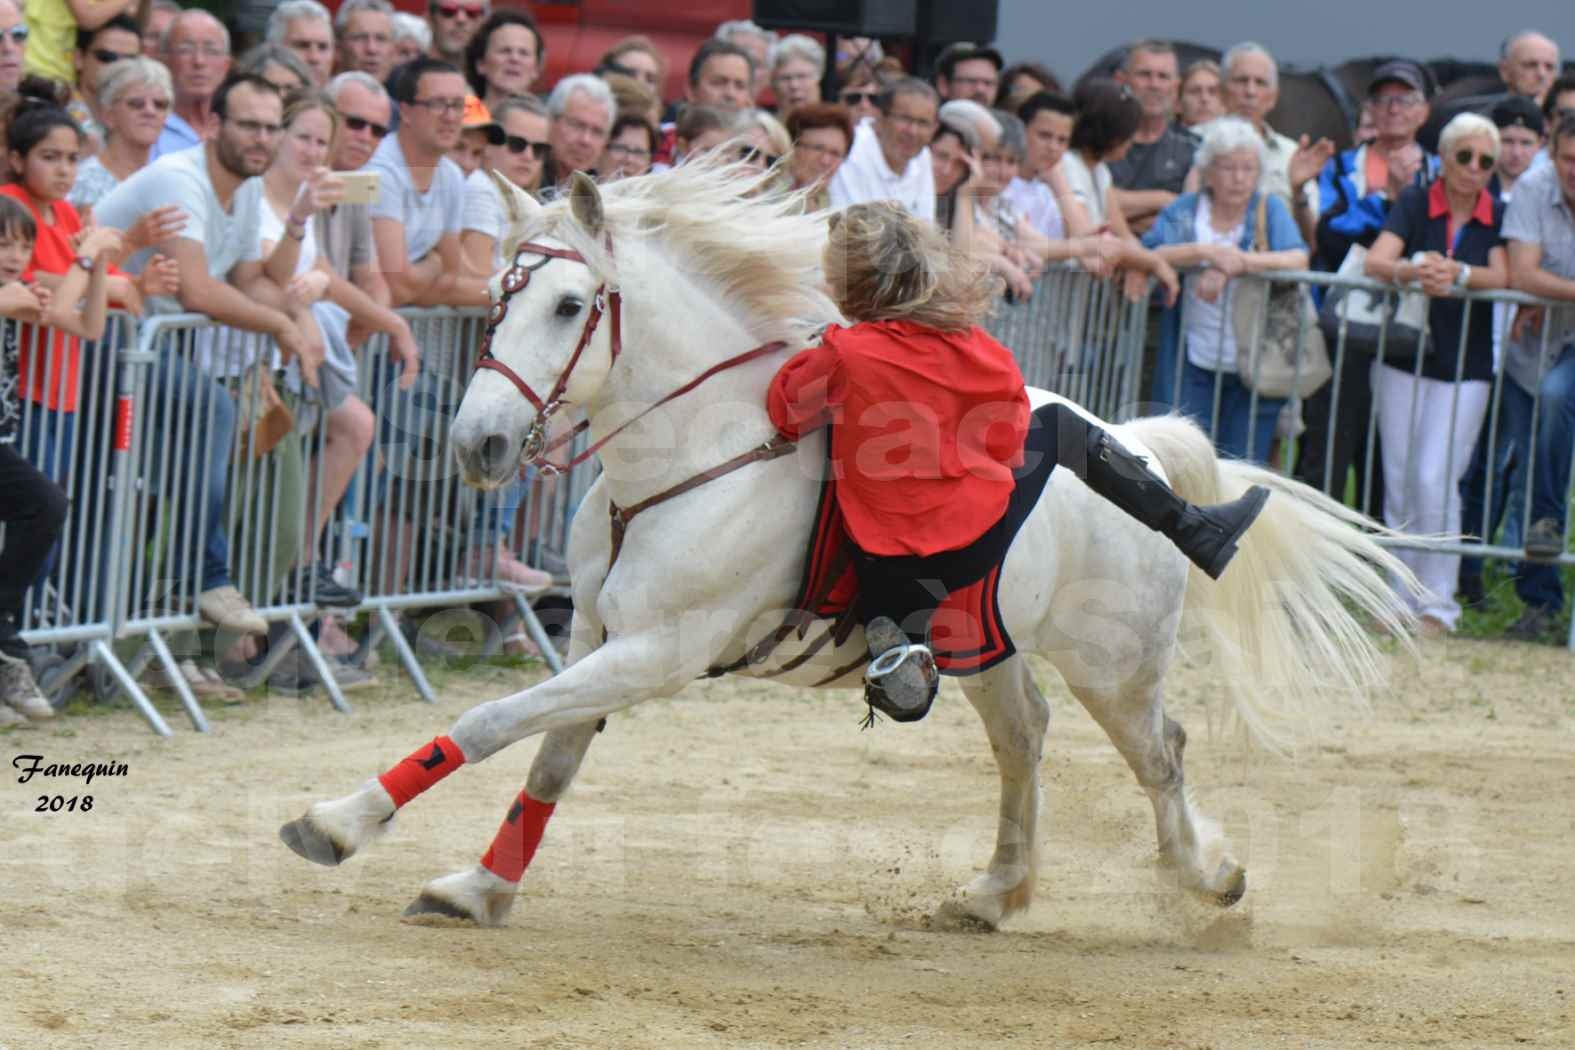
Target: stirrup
[909, 669]
[887, 663]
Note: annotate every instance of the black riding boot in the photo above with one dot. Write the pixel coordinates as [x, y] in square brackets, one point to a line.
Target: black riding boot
[1206, 535]
[905, 690]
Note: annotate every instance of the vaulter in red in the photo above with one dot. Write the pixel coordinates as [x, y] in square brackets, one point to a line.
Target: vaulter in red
[929, 417]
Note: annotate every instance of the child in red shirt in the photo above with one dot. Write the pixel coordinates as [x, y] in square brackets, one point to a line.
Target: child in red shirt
[930, 418]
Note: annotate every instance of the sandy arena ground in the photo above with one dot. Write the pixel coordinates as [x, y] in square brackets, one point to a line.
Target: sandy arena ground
[741, 867]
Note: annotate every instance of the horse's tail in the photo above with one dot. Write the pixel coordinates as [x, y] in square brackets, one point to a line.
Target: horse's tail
[1285, 624]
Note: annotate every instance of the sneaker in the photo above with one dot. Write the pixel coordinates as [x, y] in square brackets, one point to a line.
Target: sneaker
[1544, 540]
[206, 683]
[327, 592]
[225, 606]
[512, 573]
[348, 676]
[19, 692]
[1534, 624]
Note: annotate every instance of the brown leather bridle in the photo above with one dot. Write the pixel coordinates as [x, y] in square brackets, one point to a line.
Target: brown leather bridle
[536, 447]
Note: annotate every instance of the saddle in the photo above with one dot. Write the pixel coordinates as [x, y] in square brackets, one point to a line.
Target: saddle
[967, 635]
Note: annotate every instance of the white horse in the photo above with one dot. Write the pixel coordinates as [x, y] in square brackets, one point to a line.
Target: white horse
[706, 274]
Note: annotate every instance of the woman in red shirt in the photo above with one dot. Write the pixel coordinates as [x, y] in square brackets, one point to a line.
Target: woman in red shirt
[930, 418]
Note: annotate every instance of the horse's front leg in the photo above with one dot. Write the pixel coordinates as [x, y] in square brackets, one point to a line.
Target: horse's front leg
[656, 661]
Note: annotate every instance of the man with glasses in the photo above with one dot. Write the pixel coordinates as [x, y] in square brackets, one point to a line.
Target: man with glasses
[216, 187]
[890, 158]
[1347, 207]
[582, 109]
[196, 48]
[13, 44]
[97, 50]
[454, 22]
[969, 72]
[1152, 173]
[305, 27]
[365, 29]
[421, 200]
[1539, 226]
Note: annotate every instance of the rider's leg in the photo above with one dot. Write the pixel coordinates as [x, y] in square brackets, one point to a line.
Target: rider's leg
[896, 603]
[1206, 535]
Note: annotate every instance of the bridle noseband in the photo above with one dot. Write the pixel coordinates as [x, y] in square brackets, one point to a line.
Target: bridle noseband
[607, 301]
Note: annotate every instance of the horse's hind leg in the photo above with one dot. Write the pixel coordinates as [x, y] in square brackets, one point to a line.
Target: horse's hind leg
[485, 892]
[1191, 845]
[1016, 718]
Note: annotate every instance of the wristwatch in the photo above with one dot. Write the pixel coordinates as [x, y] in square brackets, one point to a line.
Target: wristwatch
[84, 261]
[1463, 278]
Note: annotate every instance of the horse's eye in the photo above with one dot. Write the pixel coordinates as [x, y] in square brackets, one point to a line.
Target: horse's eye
[569, 307]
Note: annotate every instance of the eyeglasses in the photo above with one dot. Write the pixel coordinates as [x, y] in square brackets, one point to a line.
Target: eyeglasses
[455, 10]
[257, 127]
[1394, 102]
[106, 56]
[618, 149]
[824, 151]
[756, 155]
[1484, 161]
[440, 105]
[16, 34]
[157, 105]
[362, 124]
[206, 51]
[859, 98]
[519, 144]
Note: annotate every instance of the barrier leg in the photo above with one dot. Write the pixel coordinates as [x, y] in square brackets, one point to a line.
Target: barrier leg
[538, 634]
[188, 699]
[278, 649]
[309, 647]
[407, 656]
[105, 655]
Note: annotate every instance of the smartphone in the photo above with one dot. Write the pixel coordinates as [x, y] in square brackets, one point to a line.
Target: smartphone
[361, 187]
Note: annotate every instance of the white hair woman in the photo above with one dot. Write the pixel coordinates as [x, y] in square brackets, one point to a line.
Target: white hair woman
[798, 63]
[412, 37]
[1447, 239]
[1214, 228]
[134, 98]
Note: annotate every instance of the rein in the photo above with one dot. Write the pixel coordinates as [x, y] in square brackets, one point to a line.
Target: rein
[537, 447]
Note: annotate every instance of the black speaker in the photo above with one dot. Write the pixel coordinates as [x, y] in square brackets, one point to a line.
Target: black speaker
[842, 17]
[948, 21]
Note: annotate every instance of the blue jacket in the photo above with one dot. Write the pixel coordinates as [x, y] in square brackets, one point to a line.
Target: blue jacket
[1347, 217]
[1177, 224]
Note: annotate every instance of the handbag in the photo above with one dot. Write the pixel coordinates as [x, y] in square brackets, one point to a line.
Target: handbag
[262, 419]
[1266, 346]
[1362, 315]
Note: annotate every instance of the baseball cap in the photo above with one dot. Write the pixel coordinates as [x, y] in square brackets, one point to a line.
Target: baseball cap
[962, 52]
[1518, 111]
[1399, 71]
[477, 118]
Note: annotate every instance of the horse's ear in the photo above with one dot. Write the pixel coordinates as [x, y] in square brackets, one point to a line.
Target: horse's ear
[585, 201]
[519, 206]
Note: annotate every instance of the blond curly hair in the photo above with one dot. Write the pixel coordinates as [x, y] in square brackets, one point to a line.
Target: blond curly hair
[884, 265]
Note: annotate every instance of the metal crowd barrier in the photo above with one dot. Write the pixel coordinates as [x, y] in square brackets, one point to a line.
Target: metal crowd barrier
[1063, 318]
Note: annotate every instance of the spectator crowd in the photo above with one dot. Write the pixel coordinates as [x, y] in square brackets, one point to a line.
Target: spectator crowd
[152, 169]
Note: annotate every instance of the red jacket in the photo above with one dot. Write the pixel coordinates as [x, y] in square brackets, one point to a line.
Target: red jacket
[928, 426]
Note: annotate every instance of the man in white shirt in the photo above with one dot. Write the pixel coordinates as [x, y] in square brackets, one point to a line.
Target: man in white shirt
[890, 158]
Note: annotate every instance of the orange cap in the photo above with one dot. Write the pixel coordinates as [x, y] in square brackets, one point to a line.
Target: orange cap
[476, 115]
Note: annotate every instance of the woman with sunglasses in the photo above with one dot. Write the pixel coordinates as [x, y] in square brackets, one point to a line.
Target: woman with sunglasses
[1445, 238]
[629, 148]
[134, 99]
[859, 94]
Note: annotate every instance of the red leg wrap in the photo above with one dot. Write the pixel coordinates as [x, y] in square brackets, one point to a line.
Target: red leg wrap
[421, 769]
[516, 841]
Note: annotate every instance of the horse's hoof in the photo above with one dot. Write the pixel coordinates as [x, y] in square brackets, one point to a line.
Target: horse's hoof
[427, 904]
[309, 841]
[1233, 879]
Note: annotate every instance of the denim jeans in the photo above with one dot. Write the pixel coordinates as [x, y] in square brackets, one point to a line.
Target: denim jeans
[200, 416]
[1236, 414]
[1538, 583]
[49, 438]
[1486, 508]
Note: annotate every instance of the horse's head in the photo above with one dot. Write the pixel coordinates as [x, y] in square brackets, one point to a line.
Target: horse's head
[551, 339]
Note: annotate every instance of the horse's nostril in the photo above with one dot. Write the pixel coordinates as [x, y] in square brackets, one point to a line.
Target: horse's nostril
[494, 450]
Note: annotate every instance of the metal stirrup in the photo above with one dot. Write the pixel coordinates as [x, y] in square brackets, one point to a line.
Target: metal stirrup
[884, 665]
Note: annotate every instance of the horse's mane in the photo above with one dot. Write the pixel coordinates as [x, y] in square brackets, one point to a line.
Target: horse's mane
[742, 234]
